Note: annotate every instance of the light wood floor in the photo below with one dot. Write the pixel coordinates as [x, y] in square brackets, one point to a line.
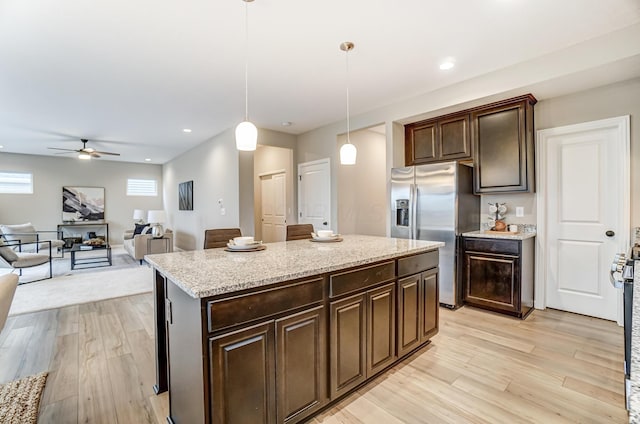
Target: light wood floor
[554, 367]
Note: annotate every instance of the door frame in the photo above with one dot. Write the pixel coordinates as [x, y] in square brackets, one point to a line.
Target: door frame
[621, 124]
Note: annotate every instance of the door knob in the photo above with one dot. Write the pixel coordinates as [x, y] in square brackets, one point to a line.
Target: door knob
[324, 223]
[610, 233]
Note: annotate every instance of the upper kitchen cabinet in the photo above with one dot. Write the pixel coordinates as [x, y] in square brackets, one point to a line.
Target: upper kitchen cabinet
[438, 140]
[503, 143]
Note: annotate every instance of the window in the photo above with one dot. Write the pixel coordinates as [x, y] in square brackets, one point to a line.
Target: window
[16, 182]
[142, 187]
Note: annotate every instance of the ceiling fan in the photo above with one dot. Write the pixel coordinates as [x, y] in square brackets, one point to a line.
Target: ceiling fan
[85, 152]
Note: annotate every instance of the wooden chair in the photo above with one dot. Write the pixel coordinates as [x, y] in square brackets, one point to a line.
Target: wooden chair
[299, 231]
[219, 237]
[8, 284]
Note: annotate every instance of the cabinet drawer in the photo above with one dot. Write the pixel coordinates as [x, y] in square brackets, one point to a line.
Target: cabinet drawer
[362, 278]
[491, 245]
[417, 263]
[228, 312]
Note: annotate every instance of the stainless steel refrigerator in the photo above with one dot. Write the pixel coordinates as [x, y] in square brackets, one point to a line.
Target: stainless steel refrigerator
[436, 202]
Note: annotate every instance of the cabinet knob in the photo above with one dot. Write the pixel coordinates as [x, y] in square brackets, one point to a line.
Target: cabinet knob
[610, 233]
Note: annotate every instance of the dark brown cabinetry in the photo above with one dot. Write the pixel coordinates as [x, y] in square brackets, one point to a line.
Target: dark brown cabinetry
[503, 143]
[438, 140]
[417, 310]
[498, 274]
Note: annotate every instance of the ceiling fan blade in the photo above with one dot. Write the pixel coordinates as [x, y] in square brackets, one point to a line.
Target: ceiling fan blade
[94, 154]
[64, 153]
[67, 150]
[106, 153]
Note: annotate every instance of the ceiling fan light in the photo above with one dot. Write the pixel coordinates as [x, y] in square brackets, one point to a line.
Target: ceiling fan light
[348, 153]
[85, 156]
[246, 136]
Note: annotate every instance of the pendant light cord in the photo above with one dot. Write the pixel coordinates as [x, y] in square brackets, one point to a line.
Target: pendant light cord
[348, 126]
[246, 61]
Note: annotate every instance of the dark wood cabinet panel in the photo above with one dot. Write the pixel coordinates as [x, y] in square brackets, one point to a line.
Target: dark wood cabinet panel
[408, 314]
[454, 138]
[499, 280]
[381, 328]
[437, 140]
[242, 376]
[503, 143]
[300, 364]
[348, 344]
[430, 302]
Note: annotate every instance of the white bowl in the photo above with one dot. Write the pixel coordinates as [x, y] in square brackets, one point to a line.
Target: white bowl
[324, 233]
[242, 241]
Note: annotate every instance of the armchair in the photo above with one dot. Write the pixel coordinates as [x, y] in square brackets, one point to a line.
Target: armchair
[32, 240]
[19, 260]
[8, 284]
[138, 245]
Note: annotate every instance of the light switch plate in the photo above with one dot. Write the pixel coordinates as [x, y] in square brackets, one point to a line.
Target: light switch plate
[519, 211]
[223, 211]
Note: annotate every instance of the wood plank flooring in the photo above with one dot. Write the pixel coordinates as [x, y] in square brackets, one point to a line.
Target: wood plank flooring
[554, 367]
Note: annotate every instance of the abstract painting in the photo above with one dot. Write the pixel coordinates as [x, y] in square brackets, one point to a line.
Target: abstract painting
[185, 196]
[82, 204]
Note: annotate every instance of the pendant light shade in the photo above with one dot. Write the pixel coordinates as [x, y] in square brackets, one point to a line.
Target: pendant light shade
[348, 154]
[348, 151]
[246, 136]
[246, 132]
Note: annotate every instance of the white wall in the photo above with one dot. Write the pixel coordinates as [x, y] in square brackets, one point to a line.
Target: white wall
[43, 208]
[362, 188]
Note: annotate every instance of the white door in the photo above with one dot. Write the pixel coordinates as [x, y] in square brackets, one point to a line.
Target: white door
[585, 184]
[273, 199]
[314, 194]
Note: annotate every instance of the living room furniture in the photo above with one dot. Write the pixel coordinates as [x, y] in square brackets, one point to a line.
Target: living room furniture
[32, 240]
[78, 229]
[93, 260]
[219, 237]
[8, 284]
[139, 245]
[12, 256]
[299, 231]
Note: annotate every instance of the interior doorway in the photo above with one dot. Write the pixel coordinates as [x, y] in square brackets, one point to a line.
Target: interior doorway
[314, 194]
[362, 188]
[583, 215]
[274, 206]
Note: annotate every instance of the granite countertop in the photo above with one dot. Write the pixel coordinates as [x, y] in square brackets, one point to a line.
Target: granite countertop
[518, 236]
[210, 272]
[634, 399]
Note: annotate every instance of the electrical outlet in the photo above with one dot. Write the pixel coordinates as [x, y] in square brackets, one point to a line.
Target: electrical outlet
[519, 211]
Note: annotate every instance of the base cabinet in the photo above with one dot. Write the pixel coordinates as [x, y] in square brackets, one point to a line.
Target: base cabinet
[498, 275]
[417, 310]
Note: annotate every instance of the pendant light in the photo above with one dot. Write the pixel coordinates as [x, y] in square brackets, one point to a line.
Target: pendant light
[347, 151]
[246, 132]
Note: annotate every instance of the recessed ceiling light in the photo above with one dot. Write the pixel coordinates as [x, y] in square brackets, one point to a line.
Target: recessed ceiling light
[147, 160]
[447, 64]
[286, 124]
[187, 130]
[1, 146]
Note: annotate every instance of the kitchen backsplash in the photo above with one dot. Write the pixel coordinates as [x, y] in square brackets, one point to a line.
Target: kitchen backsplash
[523, 228]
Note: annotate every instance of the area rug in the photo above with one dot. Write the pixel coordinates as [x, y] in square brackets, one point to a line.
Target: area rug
[127, 277]
[20, 399]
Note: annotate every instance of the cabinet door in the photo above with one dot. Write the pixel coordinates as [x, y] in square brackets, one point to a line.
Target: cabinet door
[381, 328]
[420, 143]
[242, 376]
[300, 364]
[429, 305]
[503, 146]
[492, 281]
[408, 314]
[348, 344]
[453, 138]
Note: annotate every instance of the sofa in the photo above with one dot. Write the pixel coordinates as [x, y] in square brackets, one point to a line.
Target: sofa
[138, 245]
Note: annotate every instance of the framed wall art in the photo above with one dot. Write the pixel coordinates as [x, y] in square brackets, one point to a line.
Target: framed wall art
[185, 196]
[82, 204]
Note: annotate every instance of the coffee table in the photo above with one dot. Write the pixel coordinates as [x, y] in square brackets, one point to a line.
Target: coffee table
[93, 260]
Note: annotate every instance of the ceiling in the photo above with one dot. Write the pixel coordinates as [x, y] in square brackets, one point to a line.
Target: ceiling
[131, 75]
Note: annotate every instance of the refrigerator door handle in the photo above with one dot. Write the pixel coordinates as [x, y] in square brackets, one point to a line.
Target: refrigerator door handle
[413, 234]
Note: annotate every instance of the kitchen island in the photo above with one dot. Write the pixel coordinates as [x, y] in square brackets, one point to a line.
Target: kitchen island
[279, 334]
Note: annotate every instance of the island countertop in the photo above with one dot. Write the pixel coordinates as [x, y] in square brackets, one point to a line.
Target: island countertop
[211, 272]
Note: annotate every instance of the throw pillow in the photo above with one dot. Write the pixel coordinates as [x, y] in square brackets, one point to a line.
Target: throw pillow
[139, 228]
[147, 230]
[7, 253]
[26, 233]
